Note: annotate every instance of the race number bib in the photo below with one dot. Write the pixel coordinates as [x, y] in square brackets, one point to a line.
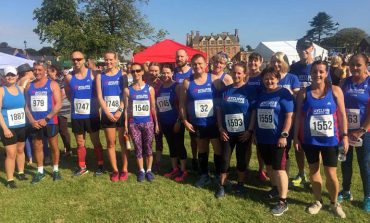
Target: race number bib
[39, 103]
[140, 108]
[163, 104]
[203, 108]
[266, 118]
[16, 117]
[235, 122]
[112, 103]
[322, 125]
[82, 106]
[353, 117]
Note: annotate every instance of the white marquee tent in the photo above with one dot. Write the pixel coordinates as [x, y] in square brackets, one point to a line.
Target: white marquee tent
[10, 60]
[267, 49]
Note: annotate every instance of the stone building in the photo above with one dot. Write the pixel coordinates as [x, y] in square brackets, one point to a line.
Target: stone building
[215, 43]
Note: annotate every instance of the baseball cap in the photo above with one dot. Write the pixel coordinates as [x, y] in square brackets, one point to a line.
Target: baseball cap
[24, 68]
[11, 70]
[304, 43]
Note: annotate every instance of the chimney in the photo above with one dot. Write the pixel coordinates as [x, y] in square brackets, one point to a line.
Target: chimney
[211, 34]
[237, 32]
[197, 34]
[192, 33]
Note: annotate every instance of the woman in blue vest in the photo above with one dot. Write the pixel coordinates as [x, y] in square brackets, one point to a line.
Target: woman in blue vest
[141, 120]
[167, 101]
[320, 125]
[274, 115]
[235, 126]
[199, 116]
[12, 122]
[356, 91]
[109, 89]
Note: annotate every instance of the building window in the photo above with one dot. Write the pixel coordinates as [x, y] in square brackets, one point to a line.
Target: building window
[220, 42]
[228, 42]
[213, 42]
[204, 43]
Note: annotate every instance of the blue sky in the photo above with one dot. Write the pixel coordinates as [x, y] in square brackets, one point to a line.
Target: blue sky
[263, 20]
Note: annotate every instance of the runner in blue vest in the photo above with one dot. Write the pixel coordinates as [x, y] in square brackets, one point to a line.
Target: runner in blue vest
[12, 123]
[233, 116]
[320, 125]
[218, 69]
[356, 91]
[198, 113]
[274, 115]
[167, 101]
[183, 71]
[81, 91]
[109, 89]
[141, 121]
[302, 70]
[255, 61]
[43, 102]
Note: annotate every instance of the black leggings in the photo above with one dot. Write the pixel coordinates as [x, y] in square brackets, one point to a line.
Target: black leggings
[227, 151]
[63, 131]
[175, 141]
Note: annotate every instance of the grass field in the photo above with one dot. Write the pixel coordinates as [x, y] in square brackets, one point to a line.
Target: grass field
[96, 199]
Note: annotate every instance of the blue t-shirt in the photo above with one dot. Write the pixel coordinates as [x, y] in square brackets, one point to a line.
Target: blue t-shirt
[302, 71]
[271, 113]
[83, 93]
[290, 81]
[180, 77]
[200, 102]
[319, 120]
[236, 105]
[166, 107]
[356, 100]
[256, 83]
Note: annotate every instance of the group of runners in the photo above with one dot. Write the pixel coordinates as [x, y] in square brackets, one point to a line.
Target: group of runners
[277, 108]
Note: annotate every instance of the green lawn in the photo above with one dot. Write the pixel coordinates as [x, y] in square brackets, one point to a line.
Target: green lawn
[96, 199]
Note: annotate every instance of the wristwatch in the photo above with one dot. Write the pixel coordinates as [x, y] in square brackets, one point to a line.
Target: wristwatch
[284, 134]
[120, 109]
[47, 119]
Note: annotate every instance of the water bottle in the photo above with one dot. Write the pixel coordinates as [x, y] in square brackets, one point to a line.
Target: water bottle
[342, 155]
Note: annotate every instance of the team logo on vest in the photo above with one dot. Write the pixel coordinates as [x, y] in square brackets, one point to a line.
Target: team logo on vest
[109, 83]
[355, 91]
[321, 111]
[81, 88]
[234, 99]
[140, 96]
[202, 90]
[40, 93]
[271, 104]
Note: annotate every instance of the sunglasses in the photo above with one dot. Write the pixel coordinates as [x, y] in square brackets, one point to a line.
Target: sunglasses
[135, 71]
[77, 59]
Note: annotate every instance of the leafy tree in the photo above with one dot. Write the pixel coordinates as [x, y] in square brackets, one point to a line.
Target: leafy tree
[47, 51]
[93, 26]
[348, 38]
[4, 44]
[322, 26]
[249, 48]
[31, 51]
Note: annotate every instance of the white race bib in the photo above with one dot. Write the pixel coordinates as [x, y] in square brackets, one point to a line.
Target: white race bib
[164, 104]
[322, 125]
[235, 122]
[353, 117]
[82, 106]
[140, 107]
[112, 103]
[39, 103]
[16, 117]
[266, 118]
[203, 108]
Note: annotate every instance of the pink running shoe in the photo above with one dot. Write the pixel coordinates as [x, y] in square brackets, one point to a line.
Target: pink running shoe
[171, 174]
[263, 176]
[123, 176]
[114, 176]
[182, 176]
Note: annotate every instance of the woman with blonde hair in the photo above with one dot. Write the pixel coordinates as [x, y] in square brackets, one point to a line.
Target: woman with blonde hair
[336, 71]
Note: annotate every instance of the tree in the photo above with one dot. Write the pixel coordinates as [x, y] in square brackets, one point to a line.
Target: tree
[322, 27]
[4, 44]
[348, 38]
[31, 51]
[93, 26]
[47, 51]
[249, 48]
